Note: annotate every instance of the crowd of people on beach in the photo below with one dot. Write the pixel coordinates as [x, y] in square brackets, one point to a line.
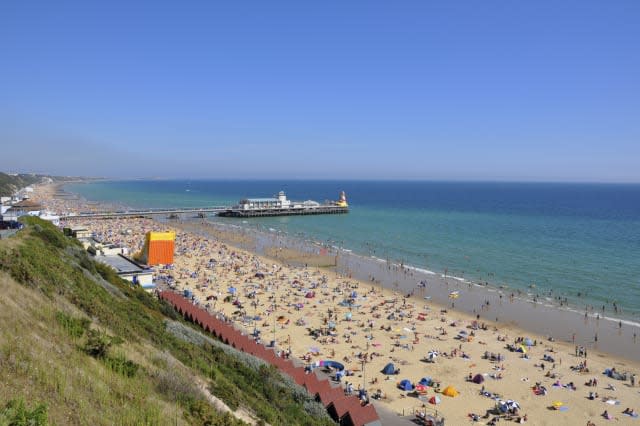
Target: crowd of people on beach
[317, 314]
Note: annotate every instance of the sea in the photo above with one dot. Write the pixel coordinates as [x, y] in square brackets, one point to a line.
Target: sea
[575, 244]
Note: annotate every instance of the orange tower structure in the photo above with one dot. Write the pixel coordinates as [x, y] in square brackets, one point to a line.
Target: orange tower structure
[158, 248]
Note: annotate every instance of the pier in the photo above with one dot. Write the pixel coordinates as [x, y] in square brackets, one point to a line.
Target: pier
[170, 212]
[250, 207]
[293, 211]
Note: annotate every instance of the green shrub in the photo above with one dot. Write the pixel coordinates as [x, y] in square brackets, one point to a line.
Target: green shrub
[98, 344]
[121, 365]
[16, 413]
[75, 327]
[47, 231]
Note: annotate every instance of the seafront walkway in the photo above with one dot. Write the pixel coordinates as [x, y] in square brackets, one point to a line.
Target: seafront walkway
[346, 410]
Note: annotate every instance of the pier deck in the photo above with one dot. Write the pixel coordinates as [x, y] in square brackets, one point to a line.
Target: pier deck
[284, 212]
[223, 211]
[146, 212]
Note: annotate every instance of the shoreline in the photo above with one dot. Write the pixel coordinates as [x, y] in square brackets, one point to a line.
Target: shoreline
[578, 303]
[546, 319]
[383, 323]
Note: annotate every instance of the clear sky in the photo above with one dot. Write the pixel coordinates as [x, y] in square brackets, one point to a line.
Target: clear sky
[470, 90]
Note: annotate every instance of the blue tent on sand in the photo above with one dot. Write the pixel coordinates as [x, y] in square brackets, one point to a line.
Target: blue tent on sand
[389, 369]
[405, 385]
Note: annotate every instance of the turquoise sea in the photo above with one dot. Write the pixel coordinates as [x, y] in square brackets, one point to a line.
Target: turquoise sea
[575, 241]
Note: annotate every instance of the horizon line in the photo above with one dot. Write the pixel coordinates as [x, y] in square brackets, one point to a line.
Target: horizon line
[293, 179]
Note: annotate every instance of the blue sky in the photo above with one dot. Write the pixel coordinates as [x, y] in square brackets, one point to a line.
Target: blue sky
[492, 90]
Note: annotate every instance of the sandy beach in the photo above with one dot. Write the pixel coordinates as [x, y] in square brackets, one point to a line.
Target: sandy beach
[443, 330]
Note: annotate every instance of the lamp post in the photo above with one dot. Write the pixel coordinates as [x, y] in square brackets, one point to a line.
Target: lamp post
[364, 376]
[255, 323]
[274, 324]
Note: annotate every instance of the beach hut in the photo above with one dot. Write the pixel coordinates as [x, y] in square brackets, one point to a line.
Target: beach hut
[405, 385]
[389, 369]
[450, 391]
[158, 248]
[478, 379]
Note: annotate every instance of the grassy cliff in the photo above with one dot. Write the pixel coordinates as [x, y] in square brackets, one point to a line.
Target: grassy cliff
[9, 184]
[80, 346]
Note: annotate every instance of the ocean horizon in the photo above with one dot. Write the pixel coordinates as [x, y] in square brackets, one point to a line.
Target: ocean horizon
[575, 243]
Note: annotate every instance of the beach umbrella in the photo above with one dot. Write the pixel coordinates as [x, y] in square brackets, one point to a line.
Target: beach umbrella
[435, 400]
[528, 342]
[232, 290]
[478, 379]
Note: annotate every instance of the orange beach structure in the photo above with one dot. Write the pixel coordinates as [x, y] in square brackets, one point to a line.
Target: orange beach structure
[159, 248]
